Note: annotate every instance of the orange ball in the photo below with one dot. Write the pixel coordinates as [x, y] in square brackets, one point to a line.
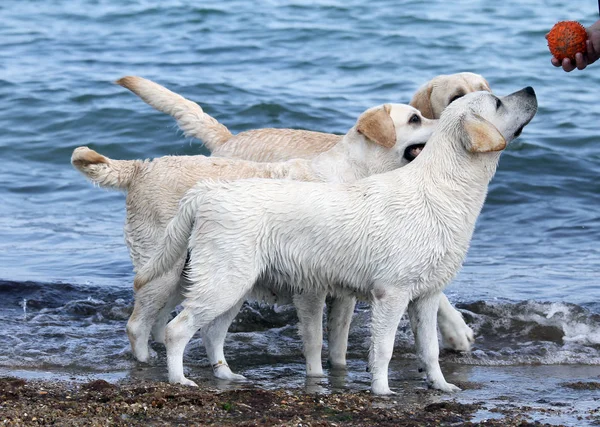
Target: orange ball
[567, 38]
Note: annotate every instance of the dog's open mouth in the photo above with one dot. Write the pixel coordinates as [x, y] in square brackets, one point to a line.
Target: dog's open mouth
[518, 132]
[412, 151]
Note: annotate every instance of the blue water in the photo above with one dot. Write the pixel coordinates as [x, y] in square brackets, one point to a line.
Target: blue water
[536, 249]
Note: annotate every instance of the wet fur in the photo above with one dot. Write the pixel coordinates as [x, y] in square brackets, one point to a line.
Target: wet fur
[395, 239]
[154, 189]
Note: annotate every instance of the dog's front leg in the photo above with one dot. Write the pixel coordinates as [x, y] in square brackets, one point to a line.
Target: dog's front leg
[387, 307]
[309, 306]
[423, 314]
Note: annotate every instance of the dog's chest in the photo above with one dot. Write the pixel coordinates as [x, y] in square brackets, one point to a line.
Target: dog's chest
[430, 254]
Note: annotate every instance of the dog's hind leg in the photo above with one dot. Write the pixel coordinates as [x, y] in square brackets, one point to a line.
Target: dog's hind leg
[422, 312]
[213, 337]
[456, 334]
[309, 307]
[339, 317]
[387, 307]
[164, 315]
[206, 301]
[149, 301]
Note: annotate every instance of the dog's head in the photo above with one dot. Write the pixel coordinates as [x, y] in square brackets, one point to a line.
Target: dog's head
[441, 91]
[481, 122]
[398, 130]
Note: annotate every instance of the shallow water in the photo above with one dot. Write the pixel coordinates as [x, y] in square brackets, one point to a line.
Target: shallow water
[530, 285]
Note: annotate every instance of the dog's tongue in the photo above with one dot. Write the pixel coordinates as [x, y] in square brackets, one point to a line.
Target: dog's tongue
[415, 151]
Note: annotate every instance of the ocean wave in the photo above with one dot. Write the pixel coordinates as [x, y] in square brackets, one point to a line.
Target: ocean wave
[83, 325]
[532, 332]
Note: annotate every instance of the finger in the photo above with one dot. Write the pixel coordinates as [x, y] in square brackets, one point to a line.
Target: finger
[580, 61]
[567, 65]
[555, 62]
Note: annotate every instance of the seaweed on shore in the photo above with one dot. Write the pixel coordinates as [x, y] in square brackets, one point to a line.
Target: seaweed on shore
[99, 403]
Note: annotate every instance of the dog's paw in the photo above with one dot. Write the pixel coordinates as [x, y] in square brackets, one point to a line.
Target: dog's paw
[184, 381]
[459, 339]
[381, 389]
[444, 386]
[383, 392]
[223, 372]
[232, 377]
[456, 334]
[146, 355]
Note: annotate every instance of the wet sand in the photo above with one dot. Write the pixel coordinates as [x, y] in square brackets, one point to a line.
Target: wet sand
[491, 396]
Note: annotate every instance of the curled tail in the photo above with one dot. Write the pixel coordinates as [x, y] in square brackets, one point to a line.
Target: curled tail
[103, 171]
[174, 243]
[192, 120]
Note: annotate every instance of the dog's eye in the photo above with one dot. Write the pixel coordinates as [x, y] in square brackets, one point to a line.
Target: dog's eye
[414, 119]
[498, 103]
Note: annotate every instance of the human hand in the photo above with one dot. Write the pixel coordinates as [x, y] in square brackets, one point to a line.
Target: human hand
[582, 60]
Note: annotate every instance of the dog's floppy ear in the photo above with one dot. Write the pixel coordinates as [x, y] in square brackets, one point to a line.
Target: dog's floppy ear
[421, 100]
[378, 126]
[486, 85]
[482, 135]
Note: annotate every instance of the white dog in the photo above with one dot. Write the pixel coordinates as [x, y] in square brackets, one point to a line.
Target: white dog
[395, 239]
[155, 188]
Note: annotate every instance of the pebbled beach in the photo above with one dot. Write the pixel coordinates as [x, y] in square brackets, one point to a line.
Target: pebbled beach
[97, 402]
[280, 394]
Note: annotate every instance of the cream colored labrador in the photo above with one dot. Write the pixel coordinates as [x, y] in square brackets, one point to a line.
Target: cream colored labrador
[270, 145]
[395, 239]
[155, 187]
[435, 95]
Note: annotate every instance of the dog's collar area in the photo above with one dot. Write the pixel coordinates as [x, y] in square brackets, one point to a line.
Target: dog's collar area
[412, 151]
[219, 364]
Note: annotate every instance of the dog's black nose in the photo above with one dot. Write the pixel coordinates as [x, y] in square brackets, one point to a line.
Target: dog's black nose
[530, 90]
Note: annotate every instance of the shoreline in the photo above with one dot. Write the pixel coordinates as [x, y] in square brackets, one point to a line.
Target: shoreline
[491, 396]
[99, 402]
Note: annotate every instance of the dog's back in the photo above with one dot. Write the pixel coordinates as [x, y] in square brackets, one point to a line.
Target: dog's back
[259, 145]
[155, 187]
[275, 145]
